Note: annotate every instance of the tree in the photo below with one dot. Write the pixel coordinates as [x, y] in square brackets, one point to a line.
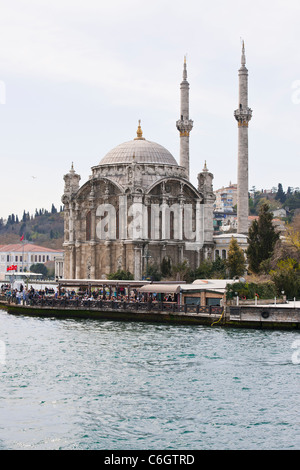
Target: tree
[280, 195]
[11, 219]
[153, 272]
[121, 275]
[204, 270]
[219, 268]
[287, 277]
[249, 290]
[292, 235]
[166, 269]
[262, 238]
[293, 201]
[181, 270]
[39, 268]
[236, 262]
[22, 229]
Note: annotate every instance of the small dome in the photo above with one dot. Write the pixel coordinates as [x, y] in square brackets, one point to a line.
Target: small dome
[139, 150]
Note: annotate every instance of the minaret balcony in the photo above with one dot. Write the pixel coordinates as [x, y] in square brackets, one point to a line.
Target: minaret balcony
[243, 116]
[184, 126]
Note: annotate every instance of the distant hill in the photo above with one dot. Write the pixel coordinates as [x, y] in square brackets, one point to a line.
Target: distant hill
[276, 199]
[45, 228]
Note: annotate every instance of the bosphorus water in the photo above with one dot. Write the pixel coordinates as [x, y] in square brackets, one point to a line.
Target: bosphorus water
[84, 384]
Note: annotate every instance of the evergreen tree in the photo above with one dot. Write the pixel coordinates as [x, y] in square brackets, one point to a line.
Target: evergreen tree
[293, 201]
[166, 268]
[22, 229]
[219, 268]
[280, 195]
[261, 239]
[11, 219]
[236, 262]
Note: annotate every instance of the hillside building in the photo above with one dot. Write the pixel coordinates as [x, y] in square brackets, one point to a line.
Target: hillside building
[226, 198]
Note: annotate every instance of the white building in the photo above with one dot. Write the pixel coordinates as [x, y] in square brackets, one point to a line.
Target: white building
[222, 243]
[23, 255]
[226, 198]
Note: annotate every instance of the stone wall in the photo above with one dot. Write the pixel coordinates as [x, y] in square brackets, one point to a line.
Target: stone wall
[265, 314]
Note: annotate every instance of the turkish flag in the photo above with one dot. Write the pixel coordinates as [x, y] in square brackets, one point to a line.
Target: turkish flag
[22, 238]
[13, 267]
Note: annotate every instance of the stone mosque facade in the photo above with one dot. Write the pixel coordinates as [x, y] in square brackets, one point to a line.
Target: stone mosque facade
[138, 207]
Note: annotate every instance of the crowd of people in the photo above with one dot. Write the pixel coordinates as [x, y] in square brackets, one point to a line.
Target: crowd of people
[24, 295]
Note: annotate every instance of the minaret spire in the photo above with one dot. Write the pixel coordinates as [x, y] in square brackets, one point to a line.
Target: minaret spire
[184, 75]
[243, 115]
[184, 124]
[243, 59]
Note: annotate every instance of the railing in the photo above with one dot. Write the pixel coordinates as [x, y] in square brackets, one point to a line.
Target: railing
[88, 304]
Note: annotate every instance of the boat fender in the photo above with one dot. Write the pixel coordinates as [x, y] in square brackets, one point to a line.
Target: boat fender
[265, 314]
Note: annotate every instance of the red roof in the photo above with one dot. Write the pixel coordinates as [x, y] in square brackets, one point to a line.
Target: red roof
[26, 247]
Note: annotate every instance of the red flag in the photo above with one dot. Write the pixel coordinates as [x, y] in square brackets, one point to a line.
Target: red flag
[22, 238]
[13, 267]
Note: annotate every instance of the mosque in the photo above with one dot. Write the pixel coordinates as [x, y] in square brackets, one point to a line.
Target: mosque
[139, 206]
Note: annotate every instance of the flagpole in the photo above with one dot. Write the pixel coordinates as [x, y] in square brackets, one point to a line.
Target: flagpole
[23, 242]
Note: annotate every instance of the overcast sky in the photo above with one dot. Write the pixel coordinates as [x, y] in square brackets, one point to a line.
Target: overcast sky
[76, 76]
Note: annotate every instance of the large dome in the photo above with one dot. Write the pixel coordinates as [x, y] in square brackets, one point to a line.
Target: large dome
[139, 150]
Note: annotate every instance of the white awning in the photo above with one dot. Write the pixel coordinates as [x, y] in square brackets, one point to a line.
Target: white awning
[160, 288]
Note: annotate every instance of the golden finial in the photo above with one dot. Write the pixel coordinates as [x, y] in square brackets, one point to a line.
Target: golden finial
[205, 167]
[139, 132]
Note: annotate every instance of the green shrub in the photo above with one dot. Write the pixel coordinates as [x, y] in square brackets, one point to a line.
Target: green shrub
[245, 290]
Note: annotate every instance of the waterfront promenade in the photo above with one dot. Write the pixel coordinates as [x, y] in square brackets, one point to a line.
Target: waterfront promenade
[113, 304]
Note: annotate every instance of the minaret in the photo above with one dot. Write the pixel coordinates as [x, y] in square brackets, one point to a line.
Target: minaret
[243, 115]
[184, 125]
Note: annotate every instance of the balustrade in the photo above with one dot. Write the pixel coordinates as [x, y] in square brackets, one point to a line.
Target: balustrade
[91, 304]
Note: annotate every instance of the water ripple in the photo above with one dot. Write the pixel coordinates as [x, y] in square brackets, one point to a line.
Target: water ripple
[70, 384]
